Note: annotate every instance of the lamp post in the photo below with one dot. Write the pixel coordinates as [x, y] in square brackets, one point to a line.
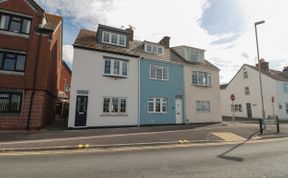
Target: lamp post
[259, 68]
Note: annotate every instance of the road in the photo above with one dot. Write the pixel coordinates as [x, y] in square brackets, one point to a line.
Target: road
[269, 159]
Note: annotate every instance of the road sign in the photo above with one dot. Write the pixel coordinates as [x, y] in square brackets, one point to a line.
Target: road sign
[232, 97]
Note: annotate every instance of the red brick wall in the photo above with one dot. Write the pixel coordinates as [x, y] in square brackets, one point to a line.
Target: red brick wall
[65, 79]
[48, 72]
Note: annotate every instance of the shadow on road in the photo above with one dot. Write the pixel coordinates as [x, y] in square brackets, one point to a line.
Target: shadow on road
[233, 158]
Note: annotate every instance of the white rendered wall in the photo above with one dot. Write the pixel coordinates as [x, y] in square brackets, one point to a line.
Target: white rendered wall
[88, 70]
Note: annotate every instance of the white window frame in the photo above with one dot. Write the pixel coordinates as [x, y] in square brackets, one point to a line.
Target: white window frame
[201, 106]
[121, 67]
[110, 39]
[157, 68]
[195, 55]
[163, 101]
[199, 74]
[154, 49]
[110, 107]
[236, 107]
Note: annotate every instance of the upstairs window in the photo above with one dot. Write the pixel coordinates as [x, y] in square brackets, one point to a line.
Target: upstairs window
[201, 79]
[247, 91]
[195, 55]
[12, 61]
[285, 87]
[14, 23]
[113, 38]
[245, 74]
[114, 67]
[159, 72]
[154, 49]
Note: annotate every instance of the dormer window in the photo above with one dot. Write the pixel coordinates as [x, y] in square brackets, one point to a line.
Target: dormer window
[195, 55]
[154, 49]
[14, 23]
[113, 38]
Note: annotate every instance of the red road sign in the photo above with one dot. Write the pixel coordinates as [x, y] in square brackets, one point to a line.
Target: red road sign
[232, 97]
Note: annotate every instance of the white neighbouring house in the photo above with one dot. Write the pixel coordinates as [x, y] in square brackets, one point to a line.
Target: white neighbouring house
[245, 87]
[104, 89]
[201, 86]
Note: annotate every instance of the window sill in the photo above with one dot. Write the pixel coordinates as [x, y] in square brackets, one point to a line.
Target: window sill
[14, 34]
[116, 114]
[157, 112]
[11, 73]
[115, 76]
[203, 86]
[164, 80]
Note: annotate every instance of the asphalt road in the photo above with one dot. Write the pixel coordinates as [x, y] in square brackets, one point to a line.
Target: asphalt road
[261, 160]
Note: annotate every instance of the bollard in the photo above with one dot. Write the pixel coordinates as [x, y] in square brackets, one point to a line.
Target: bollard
[277, 122]
[261, 128]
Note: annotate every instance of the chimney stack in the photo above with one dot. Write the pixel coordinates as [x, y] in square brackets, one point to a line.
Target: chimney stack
[165, 42]
[131, 33]
[264, 64]
[285, 71]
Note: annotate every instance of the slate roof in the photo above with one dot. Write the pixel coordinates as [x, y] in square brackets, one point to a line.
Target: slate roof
[275, 74]
[86, 39]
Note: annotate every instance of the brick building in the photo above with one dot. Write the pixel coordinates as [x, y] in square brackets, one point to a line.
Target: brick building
[65, 81]
[30, 64]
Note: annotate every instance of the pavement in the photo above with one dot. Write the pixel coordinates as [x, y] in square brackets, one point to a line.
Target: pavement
[55, 138]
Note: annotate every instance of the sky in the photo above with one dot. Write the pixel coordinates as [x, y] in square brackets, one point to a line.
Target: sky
[224, 28]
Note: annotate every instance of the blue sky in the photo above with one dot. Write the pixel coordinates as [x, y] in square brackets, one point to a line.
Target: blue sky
[224, 28]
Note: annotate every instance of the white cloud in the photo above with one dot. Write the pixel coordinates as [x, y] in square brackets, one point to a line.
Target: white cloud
[180, 20]
[68, 53]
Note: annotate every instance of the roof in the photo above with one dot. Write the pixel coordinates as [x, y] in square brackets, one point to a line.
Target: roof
[87, 39]
[275, 74]
[66, 66]
[205, 64]
[53, 22]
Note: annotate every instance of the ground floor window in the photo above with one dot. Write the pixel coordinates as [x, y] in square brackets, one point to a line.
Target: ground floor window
[157, 105]
[286, 104]
[10, 102]
[236, 107]
[202, 106]
[114, 105]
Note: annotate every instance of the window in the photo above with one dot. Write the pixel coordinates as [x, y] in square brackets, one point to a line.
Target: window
[159, 72]
[203, 106]
[14, 23]
[245, 74]
[236, 107]
[286, 104]
[12, 61]
[157, 105]
[154, 49]
[113, 38]
[247, 91]
[195, 55]
[114, 67]
[10, 102]
[285, 87]
[114, 105]
[201, 79]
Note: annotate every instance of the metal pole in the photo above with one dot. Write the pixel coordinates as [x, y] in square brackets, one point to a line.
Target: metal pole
[233, 111]
[259, 68]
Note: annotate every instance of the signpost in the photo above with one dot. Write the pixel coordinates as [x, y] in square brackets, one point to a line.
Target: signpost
[232, 97]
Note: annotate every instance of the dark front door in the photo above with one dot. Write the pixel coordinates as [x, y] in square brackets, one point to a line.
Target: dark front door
[81, 110]
[249, 110]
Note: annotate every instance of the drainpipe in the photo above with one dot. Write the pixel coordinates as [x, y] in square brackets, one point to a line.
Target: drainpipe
[34, 79]
[139, 92]
[184, 98]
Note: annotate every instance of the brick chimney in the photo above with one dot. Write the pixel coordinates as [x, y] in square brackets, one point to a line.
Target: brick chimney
[285, 71]
[264, 65]
[131, 33]
[165, 41]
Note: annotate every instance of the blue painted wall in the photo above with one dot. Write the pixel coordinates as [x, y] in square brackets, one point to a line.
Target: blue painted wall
[159, 88]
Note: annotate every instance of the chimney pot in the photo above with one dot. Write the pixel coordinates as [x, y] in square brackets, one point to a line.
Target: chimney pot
[131, 33]
[264, 65]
